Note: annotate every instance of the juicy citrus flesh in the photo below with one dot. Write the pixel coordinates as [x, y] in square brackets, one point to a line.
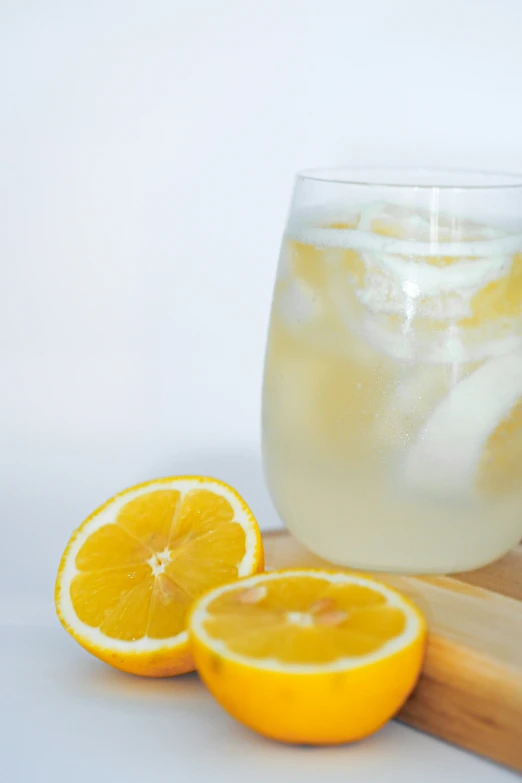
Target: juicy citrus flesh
[138, 575]
[131, 573]
[309, 656]
[304, 620]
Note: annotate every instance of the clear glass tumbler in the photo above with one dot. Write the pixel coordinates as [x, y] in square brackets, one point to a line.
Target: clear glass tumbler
[392, 401]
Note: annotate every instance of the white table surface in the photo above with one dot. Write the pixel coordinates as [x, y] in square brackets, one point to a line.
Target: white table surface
[66, 716]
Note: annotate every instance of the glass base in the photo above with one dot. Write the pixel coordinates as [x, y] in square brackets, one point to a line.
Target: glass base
[399, 569]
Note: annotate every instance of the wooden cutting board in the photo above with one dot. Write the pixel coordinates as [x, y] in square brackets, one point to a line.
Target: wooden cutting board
[470, 691]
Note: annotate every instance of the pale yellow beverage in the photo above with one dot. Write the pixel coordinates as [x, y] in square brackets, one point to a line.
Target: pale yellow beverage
[392, 413]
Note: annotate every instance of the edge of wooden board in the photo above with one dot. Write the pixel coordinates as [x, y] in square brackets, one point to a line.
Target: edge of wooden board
[467, 699]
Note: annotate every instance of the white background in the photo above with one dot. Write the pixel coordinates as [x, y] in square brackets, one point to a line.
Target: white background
[147, 152]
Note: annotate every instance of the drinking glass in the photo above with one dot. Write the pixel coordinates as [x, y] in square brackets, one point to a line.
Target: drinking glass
[392, 400]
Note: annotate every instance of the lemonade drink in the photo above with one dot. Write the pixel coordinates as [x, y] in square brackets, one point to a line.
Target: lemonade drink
[392, 416]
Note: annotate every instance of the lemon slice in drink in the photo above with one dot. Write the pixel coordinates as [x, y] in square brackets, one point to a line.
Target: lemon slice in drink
[473, 439]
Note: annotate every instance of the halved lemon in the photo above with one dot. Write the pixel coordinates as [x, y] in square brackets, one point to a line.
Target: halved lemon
[131, 572]
[308, 656]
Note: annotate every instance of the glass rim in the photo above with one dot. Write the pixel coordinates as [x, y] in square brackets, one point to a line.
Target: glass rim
[385, 176]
